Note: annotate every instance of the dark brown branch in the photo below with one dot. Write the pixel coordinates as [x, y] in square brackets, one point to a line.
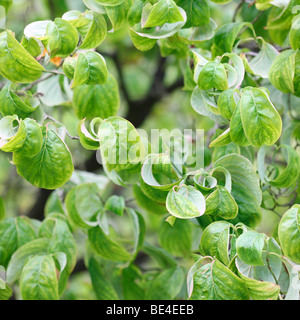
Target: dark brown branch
[117, 62]
[80, 266]
[239, 6]
[37, 211]
[52, 9]
[57, 8]
[139, 110]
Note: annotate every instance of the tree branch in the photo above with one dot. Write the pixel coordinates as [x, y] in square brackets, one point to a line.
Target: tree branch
[239, 6]
[139, 110]
[37, 211]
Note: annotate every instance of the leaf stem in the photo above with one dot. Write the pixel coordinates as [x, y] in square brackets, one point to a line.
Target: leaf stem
[67, 132]
[37, 81]
[269, 267]
[54, 72]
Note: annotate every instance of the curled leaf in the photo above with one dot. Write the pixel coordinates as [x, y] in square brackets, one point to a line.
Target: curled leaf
[185, 202]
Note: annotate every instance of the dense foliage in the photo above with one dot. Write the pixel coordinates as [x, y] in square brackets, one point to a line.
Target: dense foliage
[224, 223]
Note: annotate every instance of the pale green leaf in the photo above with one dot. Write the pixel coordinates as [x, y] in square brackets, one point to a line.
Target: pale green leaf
[51, 167]
[16, 64]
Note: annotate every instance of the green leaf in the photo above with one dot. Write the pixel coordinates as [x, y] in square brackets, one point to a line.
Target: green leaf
[221, 173]
[285, 178]
[115, 204]
[95, 6]
[76, 18]
[166, 285]
[54, 204]
[118, 14]
[51, 168]
[139, 230]
[19, 258]
[153, 192]
[280, 20]
[185, 202]
[220, 152]
[237, 132]
[21, 105]
[96, 31]
[131, 288]
[163, 258]
[91, 101]
[109, 2]
[90, 69]
[213, 75]
[38, 279]
[204, 182]
[122, 150]
[221, 203]
[148, 204]
[83, 204]
[55, 91]
[164, 11]
[205, 105]
[197, 12]
[5, 293]
[289, 233]
[214, 281]
[88, 137]
[226, 35]
[105, 247]
[34, 138]
[294, 35]
[227, 102]
[69, 66]
[141, 43]
[245, 187]
[215, 240]
[12, 133]
[272, 265]
[31, 45]
[176, 239]
[261, 64]
[103, 288]
[14, 233]
[36, 30]
[290, 275]
[235, 69]
[261, 122]
[282, 71]
[16, 64]
[61, 240]
[62, 38]
[222, 140]
[6, 4]
[259, 290]
[157, 32]
[249, 247]
[221, 1]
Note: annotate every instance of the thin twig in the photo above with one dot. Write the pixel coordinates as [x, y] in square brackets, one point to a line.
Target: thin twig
[54, 72]
[237, 10]
[67, 132]
[37, 81]
[257, 17]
